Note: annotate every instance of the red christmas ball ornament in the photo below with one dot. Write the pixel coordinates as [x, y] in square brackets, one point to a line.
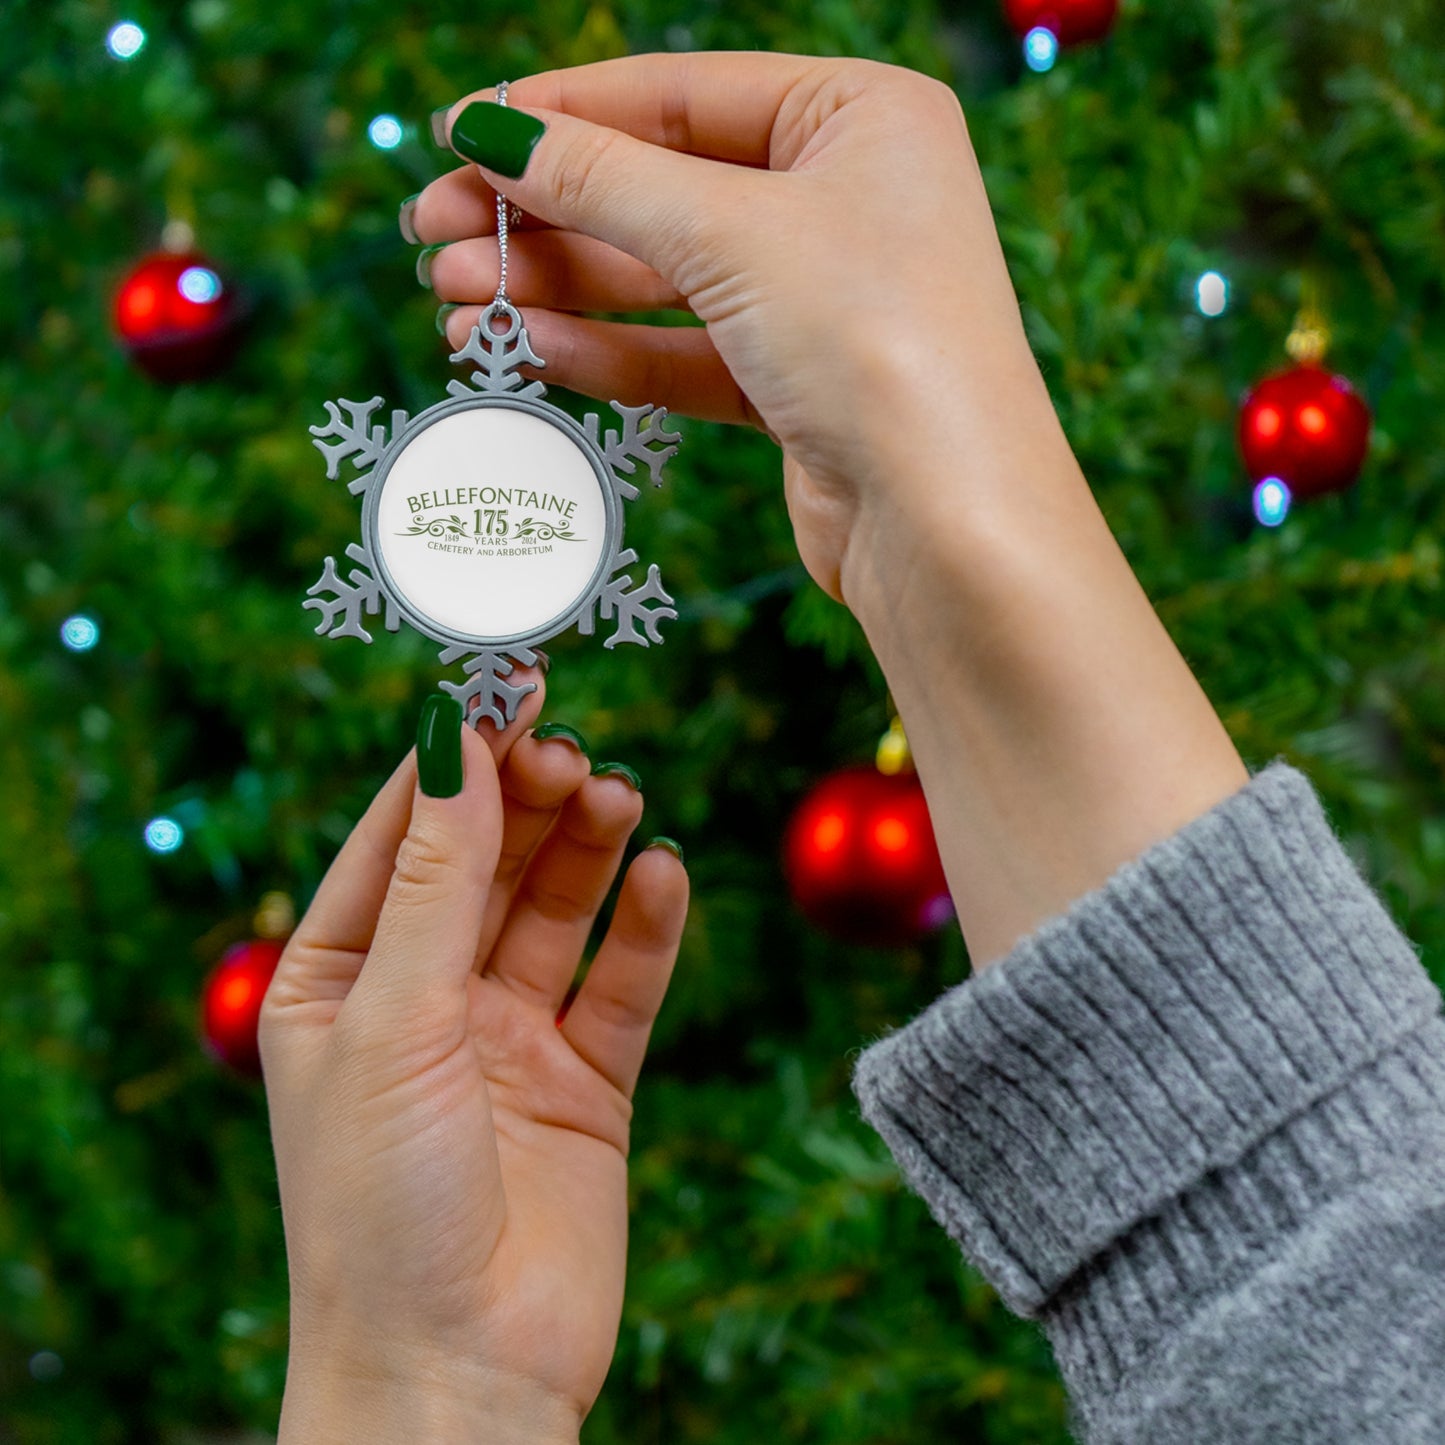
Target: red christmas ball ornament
[231, 1003]
[1071, 22]
[861, 860]
[1306, 426]
[176, 318]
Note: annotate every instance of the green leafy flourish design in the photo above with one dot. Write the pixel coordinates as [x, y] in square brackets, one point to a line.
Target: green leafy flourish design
[545, 531]
[452, 526]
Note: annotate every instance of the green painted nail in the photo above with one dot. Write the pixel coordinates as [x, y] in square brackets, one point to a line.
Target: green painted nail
[617, 770]
[443, 311]
[496, 136]
[439, 125]
[561, 730]
[423, 262]
[671, 844]
[404, 219]
[439, 746]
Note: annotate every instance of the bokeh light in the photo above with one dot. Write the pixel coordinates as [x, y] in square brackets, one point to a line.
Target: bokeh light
[80, 633]
[1268, 423]
[385, 132]
[46, 1365]
[1271, 502]
[1211, 294]
[891, 834]
[164, 835]
[1041, 48]
[199, 284]
[126, 40]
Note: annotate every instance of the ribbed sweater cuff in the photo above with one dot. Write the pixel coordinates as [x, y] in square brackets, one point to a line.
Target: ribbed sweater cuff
[1214, 988]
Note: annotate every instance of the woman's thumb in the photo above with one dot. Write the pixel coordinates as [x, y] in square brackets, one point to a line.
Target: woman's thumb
[426, 935]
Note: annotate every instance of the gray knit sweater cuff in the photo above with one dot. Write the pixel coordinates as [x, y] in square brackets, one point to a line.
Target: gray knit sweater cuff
[1213, 989]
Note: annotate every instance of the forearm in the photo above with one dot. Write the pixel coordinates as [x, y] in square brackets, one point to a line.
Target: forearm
[1057, 730]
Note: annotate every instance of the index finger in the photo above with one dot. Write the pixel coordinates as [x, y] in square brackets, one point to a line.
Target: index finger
[750, 109]
[723, 105]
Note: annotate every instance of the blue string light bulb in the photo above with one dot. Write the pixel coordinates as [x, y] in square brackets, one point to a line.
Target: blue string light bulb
[1048, 26]
[126, 40]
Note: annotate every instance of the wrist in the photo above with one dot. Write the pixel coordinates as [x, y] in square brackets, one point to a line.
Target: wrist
[1057, 730]
[411, 1398]
[954, 478]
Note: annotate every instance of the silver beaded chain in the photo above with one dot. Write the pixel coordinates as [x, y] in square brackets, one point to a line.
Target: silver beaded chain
[503, 208]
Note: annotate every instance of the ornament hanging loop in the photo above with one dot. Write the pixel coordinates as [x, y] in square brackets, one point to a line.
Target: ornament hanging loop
[503, 310]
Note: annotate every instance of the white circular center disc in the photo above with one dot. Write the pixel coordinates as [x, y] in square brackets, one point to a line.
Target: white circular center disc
[491, 522]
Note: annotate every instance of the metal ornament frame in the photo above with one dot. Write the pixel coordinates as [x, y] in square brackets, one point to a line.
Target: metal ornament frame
[369, 589]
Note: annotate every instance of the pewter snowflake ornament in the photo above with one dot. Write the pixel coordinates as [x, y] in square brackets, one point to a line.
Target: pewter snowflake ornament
[492, 521]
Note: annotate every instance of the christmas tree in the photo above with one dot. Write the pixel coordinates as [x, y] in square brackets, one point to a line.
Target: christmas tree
[178, 744]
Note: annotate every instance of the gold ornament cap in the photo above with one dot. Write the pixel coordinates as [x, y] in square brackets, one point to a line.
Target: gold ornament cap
[275, 916]
[1310, 339]
[894, 755]
[179, 236]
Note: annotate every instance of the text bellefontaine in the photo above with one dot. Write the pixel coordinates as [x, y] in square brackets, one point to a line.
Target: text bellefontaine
[491, 497]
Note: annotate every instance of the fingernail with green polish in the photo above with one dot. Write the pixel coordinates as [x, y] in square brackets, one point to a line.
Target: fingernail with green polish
[423, 262]
[617, 770]
[439, 746]
[443, 311]
[671, 844]
[496, 136]
[561, 730]
[404, 220]
[439, 125]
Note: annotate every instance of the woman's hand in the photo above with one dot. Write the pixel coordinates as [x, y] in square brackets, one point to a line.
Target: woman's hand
[825, 218]
[452, 1158]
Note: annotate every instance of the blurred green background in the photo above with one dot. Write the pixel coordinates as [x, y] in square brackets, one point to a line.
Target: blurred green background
[783, 1285]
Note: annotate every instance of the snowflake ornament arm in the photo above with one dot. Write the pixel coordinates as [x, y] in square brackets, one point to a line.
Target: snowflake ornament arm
[498, 363]
[360, 441]
[485, 692]
[363, 594]
[630, 606]
[643, 438]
